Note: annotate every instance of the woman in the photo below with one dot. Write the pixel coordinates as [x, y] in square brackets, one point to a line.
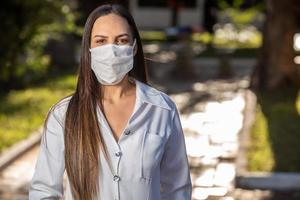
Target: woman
[116, 136]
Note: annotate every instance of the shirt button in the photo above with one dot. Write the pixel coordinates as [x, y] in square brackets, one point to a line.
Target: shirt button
[127, 132]
[116, 178]
[118, 154]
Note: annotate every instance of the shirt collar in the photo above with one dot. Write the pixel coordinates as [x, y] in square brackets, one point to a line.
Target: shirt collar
[150, 95]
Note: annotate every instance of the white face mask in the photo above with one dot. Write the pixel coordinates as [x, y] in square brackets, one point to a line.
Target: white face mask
[111, 62]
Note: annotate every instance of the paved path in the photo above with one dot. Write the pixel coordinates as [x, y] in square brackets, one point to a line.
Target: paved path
[212, 116]
[14, 179]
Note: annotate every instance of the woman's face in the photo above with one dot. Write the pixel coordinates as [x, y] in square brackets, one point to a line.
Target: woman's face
[111, 29]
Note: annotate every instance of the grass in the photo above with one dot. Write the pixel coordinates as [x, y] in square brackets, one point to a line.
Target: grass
[207, 39]
[261, 157]
[211, 52]
[24, 111]
[275, 135]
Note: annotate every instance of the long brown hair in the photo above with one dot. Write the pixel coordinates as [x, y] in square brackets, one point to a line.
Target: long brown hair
[83, 139]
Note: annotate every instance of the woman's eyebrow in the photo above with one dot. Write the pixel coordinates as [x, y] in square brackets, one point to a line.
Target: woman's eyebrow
[121, 35]
[103, 36]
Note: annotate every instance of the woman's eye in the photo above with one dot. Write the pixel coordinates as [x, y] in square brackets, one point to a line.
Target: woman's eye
[101, 41]
[123, 41]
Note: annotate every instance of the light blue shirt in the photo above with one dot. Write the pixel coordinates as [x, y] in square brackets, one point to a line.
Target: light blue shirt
[149, 162]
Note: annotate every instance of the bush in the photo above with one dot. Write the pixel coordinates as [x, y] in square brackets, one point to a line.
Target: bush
[26, 28]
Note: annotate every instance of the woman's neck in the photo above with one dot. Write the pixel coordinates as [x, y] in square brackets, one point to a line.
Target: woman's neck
[114, 93]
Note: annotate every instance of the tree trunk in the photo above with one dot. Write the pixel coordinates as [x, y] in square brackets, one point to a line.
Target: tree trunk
[276, 61]
[174, 17]
[210, 15]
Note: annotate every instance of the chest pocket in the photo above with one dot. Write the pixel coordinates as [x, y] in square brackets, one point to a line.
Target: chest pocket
[152, 151]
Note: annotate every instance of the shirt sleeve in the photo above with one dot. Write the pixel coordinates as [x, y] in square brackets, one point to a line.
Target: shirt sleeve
[175, 174]
[47, 181]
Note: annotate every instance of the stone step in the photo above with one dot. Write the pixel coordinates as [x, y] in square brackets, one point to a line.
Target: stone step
[269, 181]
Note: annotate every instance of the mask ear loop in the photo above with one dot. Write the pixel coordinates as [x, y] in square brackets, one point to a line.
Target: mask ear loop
[134, 43]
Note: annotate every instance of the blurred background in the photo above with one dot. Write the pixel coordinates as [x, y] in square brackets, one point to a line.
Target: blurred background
[231, 66]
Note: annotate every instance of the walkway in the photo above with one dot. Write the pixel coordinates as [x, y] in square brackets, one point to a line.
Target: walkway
[212, 116]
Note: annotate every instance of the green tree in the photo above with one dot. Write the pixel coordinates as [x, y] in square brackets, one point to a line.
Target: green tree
[25, 29]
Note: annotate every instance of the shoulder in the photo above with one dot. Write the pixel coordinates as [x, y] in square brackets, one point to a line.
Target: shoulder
[168, 100]
[163, 98]
[59, 109]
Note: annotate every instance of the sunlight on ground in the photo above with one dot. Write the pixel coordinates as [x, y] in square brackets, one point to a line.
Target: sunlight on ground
[211, 135]
[219, 123]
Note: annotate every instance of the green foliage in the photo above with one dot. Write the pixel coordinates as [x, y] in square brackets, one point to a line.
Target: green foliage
[223, 4]
[237, 25]
[204, 37]
[26, 28]
[153, 35]
[275, 135]
[23, 111]
[242, 17]
[230, 36]
[237, 4]
[260, 153]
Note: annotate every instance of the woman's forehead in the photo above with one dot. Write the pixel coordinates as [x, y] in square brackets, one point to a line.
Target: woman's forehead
[110, 25]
